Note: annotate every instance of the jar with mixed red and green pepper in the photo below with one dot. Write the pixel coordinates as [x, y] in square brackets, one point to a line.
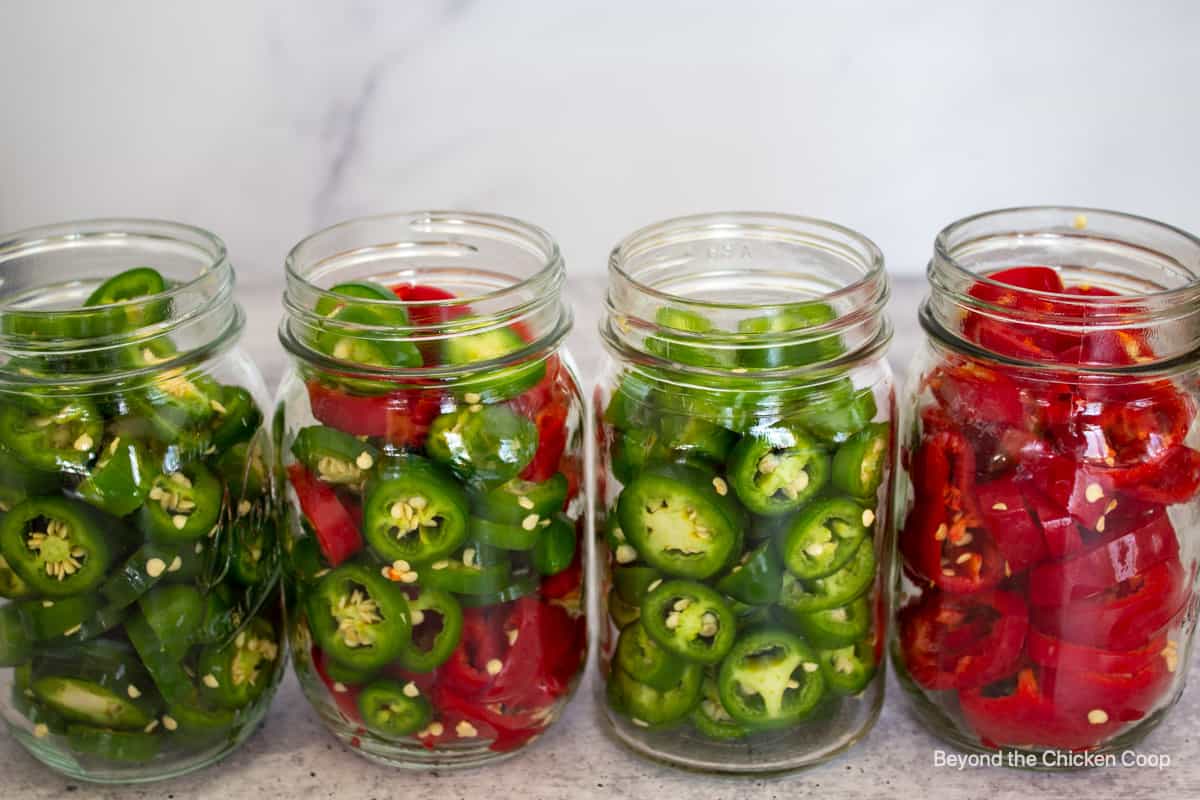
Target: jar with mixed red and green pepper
[430, 434]
[140, 622]
[746, 448]
[1049, 541]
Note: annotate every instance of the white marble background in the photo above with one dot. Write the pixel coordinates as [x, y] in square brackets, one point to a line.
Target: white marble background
[265, 120]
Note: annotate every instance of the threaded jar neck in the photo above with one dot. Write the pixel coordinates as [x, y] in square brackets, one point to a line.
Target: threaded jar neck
[1128, 276]
[48, 336]
[736, 270]
[498, 273]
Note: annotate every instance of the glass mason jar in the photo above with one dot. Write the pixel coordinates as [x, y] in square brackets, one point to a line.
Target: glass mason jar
[1052, 494]
[744, 423]
[141, 628]
[431, 435]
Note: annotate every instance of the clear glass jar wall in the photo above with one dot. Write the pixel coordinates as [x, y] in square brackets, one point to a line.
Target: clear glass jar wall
[746, 448]
[431, 434]
[1049, 541]
[140, 626]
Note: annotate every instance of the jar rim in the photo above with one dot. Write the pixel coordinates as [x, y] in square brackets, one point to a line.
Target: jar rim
[203, 320]
[945, 252]
[680, 228]
[849, 308]
[1155, 266]
[68, 234]
[533, 299]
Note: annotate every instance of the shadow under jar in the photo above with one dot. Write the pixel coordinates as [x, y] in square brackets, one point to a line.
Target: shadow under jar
[431, 436]
[1047, 598]
[744, 424]
[141, 626]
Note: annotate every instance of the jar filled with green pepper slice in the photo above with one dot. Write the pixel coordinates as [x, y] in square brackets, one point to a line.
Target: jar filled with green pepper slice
[745, 422]
[431, 432]
[137, 510]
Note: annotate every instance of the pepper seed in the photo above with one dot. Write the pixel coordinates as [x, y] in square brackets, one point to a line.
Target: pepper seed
[868, 517]
[810, 666]
[179, 521]
[41, 731]
[525, 503]
[721, 487]
[211, 681]
[155, 567]
[176, 564]
[530, 522]
[84, 443]
[364, 460]
[339, 687]
[133, 691]
[411, 690]
[494, 666]
[465, 730]
[1097, 716]
[1000, 507]
[1093, 492]
[409, 577]
[169, 722]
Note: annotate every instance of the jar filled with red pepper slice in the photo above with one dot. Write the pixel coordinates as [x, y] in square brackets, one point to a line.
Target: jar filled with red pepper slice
[430, 432]
[1049, 540]
[746, 452]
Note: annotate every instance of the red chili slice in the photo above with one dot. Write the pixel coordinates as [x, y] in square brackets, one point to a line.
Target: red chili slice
[1118, 696]
[1126, 616]
[552, 443]
[1011, 337]
[1099, 569]
[953, 642]
[1076, 487]
[943, 538]
[1059, 531]
[1172, 478]
[973, 393]
[567, 582]
[1064, 656]
[430, 314]
[337, 535]
[345, 697]
[1016, 534]
[1025, 714]
[402, 417]
[465, 672]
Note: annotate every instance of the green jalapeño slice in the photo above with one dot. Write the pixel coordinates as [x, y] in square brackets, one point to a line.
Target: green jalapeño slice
[777, 470]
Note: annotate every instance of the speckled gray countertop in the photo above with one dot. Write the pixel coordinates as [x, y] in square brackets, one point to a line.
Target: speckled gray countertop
[293, 757]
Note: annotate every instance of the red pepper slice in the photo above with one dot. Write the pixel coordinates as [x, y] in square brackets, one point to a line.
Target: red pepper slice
[1064, 656]
[1010, 337]
[465, 672]
[1016, 534]
[1124, 617]
[943, 539]
[972, 393]
[337, 535]
[1077, 487]
[345, 697]
[1026, 714]
[567, 582]
[401, 417]
[1059, 531]
[431, 314]
[1100, 568]
[1172, 478]
[953, 642]
[507, 727]
[551, 424]
[1122, 697]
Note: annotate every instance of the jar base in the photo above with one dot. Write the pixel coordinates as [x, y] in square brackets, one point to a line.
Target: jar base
[935, 721]
[759, 758]
[62, 762]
